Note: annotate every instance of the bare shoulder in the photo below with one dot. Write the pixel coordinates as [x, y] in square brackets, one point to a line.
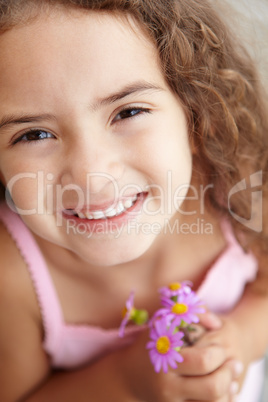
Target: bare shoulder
[23, 363]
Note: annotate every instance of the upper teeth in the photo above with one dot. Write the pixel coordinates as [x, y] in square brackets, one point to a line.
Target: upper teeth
[110, 212]
[96, 215]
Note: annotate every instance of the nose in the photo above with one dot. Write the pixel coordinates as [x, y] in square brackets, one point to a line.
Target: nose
[92, 163]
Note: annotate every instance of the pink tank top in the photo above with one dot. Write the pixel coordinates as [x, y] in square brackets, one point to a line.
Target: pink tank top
[70, 346]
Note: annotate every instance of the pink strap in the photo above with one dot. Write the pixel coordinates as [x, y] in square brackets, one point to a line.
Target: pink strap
[228, 232]
[44, 287]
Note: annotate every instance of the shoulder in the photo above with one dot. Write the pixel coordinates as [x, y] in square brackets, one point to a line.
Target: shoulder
[13, 270]
[8, 251]
[22, 357]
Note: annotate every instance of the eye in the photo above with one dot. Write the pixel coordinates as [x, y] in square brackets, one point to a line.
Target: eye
[33, 136]
[130, 112]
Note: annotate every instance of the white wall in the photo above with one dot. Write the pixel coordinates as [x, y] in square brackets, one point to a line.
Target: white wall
[249, 18]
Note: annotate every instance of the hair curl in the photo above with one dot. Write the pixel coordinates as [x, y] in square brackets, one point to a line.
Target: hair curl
[216, 81]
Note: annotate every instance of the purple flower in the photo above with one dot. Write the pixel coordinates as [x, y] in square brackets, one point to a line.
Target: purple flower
[164, 345]
[127, 314]
[175, 289]
[185, 309]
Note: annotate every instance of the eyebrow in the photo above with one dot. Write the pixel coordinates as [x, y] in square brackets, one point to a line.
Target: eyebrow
[137, 87]
[24, 118]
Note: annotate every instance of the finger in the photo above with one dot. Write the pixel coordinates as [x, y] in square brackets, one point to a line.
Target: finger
[193, 336]
[201, 360]
[216, 386]
[210, 321]
[224, 399]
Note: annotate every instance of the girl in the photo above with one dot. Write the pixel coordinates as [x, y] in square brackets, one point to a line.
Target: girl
[127, 129]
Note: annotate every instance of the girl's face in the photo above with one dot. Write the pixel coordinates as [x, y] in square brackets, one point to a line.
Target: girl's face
[89, 128]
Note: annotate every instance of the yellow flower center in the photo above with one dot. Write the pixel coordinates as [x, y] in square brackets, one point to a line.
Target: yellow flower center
[175, 286]
[179, 308]
[163, 345]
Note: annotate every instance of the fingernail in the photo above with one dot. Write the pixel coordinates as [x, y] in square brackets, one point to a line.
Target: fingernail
[238, 367]
[234, 387]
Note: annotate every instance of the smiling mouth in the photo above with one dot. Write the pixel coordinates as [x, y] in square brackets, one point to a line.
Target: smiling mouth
[116, 210]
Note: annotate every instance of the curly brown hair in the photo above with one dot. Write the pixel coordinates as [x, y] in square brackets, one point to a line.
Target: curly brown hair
[216, 81]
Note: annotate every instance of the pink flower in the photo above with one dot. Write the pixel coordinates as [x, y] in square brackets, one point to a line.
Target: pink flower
[164, 345]
[175, 289]
[184, 309]
[127, 314]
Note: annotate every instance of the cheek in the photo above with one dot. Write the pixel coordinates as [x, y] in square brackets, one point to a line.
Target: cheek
[13, 166]
[24, 190]
[173, 156]
[27, 184]
[176, 170]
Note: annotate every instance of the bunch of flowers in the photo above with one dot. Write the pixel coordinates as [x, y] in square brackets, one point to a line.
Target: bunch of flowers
[169, 326]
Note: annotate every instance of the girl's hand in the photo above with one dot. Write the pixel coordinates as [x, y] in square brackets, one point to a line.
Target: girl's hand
[207, 373]
[228, 336]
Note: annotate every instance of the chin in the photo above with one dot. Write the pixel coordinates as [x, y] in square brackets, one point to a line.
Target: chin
[110, 255]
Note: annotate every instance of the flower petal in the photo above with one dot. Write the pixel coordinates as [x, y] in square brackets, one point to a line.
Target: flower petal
[153, 356]
[150, 345]
[161, 326]
[165, 364]
[158, 364]
[172, 362]
[122, 326]
[178, 357]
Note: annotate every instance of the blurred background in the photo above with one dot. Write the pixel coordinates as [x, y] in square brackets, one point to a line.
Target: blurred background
[248, 19]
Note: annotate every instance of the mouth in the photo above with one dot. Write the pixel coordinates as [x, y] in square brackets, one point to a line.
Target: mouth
[117, 210]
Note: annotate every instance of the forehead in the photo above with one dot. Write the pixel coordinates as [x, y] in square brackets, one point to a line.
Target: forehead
[63, 49]
[53, 28]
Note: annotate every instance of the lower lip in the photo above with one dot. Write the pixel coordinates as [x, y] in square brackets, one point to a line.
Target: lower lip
[108, 224]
